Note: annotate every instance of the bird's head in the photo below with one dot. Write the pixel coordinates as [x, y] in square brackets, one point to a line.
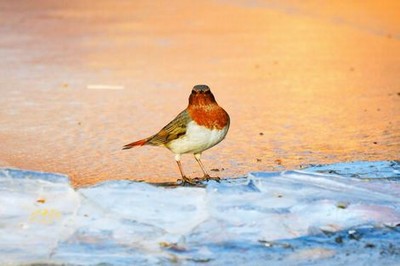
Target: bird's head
[201, 95]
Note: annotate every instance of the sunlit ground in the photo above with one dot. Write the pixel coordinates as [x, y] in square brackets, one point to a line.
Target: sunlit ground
[303, 83]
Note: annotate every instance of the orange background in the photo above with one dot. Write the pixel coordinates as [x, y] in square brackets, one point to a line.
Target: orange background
[319, 80]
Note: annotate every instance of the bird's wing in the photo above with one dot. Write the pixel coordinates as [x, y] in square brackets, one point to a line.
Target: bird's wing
[175, 129]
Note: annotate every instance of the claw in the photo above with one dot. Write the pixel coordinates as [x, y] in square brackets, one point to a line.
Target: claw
[208, 178]
[188, 181]
[197, 179]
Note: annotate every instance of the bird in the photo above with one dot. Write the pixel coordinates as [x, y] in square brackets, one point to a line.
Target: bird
[202, 125]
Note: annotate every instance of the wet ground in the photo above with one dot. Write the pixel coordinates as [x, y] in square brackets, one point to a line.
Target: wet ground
[303, 84]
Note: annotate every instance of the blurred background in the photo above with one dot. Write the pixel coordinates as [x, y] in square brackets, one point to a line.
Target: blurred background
[304, 83]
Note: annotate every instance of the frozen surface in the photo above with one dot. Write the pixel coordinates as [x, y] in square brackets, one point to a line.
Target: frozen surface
[337, 214]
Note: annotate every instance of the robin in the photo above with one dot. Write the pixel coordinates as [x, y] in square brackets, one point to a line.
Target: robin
[202, 125]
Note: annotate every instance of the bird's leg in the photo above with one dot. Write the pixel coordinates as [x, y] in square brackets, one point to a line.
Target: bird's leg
[206, 176]
[184, 178]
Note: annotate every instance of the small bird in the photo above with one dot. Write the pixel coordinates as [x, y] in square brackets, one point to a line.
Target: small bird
[202, 125]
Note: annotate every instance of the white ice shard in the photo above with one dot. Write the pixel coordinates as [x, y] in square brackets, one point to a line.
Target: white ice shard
[275, 215]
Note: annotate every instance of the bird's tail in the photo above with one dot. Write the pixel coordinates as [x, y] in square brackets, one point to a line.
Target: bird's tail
[136, 143]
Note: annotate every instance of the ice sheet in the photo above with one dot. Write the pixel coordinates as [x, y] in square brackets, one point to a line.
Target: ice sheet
[333, 214]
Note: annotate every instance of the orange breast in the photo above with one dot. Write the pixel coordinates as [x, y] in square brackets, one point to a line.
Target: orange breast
[211, 116]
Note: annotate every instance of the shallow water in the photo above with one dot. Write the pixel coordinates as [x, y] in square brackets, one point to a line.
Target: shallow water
[303, 84]
[309, 217]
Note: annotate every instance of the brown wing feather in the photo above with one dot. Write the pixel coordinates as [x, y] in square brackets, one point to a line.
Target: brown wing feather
[175, 129]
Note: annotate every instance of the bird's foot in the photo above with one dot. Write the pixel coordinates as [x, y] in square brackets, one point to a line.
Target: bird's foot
[208, 178]
[188, 181]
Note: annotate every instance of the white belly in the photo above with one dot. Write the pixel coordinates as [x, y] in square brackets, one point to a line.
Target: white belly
[197, 139]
